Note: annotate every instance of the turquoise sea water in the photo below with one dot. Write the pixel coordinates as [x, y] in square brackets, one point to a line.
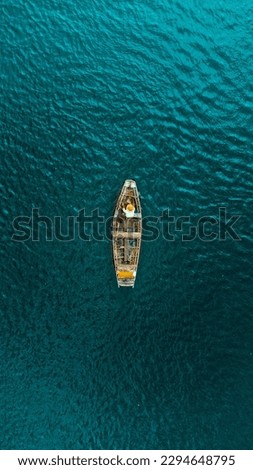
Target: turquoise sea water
[94, 92]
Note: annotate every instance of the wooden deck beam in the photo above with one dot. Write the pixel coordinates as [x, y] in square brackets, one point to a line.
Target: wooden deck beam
[130, 235]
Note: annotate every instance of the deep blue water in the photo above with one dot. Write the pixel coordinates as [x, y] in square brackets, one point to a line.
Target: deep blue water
[94, 92]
